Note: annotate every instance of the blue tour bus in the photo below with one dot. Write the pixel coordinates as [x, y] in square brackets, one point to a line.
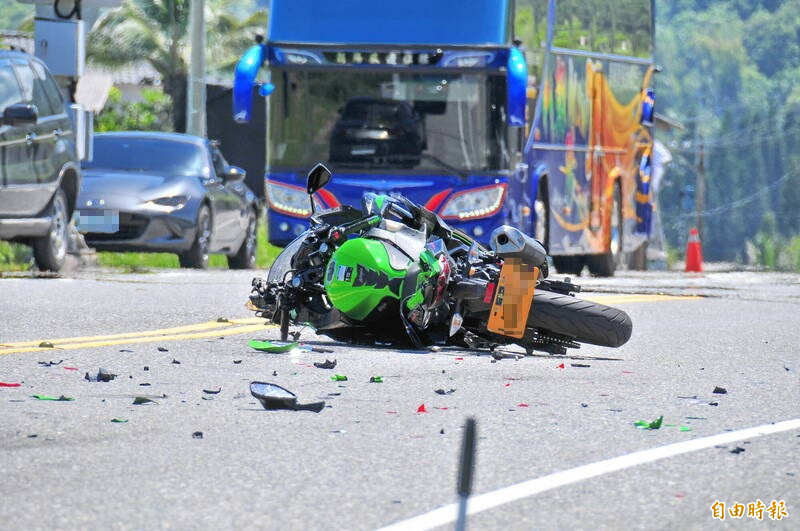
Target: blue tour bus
[439, 101]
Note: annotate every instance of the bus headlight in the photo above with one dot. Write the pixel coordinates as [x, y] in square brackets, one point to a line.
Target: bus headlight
[287, 199]
[476, 203]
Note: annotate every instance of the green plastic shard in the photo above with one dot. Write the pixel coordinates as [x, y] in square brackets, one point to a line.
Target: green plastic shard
[119, 421]
[643, 424]
[272, 346]
[339, 378]
[376, 379]
[61, 398]
[685, 428]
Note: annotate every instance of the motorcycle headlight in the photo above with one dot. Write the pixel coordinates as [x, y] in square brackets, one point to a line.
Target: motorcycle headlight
[288, 199]
[476, 203]
[168, 204]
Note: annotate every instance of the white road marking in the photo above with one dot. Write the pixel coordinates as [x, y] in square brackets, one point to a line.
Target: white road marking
[483, 502]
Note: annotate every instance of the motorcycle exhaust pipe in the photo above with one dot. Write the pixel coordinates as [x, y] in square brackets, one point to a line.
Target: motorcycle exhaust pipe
[510, 242]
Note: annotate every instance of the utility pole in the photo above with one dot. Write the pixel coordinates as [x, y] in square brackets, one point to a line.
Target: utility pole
[700, 186]
[196, 84]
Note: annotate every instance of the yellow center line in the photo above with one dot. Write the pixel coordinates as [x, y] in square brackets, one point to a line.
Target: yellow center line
[643, 297]
[228, 331]
[163, 331]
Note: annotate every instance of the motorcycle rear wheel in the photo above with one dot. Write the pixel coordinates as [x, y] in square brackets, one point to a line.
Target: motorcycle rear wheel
[586, 321]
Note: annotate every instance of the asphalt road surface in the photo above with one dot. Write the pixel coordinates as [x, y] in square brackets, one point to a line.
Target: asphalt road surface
[563, 438]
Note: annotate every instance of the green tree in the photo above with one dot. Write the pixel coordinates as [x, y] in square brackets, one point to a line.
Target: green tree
[150, 114]
[156, 31]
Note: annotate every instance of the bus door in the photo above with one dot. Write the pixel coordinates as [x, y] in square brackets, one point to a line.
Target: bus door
[596, 173]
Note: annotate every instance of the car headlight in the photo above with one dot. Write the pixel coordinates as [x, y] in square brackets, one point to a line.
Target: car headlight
[476, 203]
[168, 204]
[288, 199]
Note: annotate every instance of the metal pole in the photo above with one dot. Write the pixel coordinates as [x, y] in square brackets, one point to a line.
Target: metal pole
[196, 89]
[465, 473]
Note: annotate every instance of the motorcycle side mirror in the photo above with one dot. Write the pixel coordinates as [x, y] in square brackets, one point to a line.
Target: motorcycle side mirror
[317, 178]
[274, 396]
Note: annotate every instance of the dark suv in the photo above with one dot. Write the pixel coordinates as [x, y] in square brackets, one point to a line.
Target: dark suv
[39, 168]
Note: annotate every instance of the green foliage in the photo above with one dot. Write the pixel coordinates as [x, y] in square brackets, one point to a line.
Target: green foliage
[15, 256]
[732, 77]
[150, 114]
[14, 14]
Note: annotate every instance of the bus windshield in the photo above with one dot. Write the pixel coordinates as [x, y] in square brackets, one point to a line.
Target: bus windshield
[401, 121]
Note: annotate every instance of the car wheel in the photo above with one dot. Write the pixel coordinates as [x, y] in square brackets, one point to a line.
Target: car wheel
[245, 257]
[50, 251]
[197, 256]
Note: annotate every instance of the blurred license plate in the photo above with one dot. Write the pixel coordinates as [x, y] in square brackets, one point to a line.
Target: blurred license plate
[97, 221]
[362, 150]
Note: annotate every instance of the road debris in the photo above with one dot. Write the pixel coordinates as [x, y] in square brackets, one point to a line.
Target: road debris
[144, 384]
[443, 392]
[141, 400]
[579, 365]
[720, 391]
[713, 403]
[654, 425]
[376, 379]
[61, 398]
[421, 409]
[212, 392]
[685, 428]
[103, 375]
[223, 320]
[274, 347]
[197, 435]
[327, 364]
[119, 420]
[560, 366]
[50, 363]
[175, 362]
[237, 362]
[339, 378]
[522, 404]
[737, 450]
[163, 349]
[146, 368]
[70, 368]
[46, 344]
[9, 384]
[273, 396]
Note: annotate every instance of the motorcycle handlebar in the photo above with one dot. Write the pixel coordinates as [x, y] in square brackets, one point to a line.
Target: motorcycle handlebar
[341, 231]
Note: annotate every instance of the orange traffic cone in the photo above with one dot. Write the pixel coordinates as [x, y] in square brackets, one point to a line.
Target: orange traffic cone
[694, 252]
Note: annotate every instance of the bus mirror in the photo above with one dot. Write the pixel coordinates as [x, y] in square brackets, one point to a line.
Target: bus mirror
[244, 80]
[265, 89]
[648, 106]
[517, 85]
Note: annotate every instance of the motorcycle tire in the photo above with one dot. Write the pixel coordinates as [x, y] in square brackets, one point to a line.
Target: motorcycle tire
[586, 321]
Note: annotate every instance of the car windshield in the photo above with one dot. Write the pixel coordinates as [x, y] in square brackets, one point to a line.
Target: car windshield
[431, 122]
[150, 155]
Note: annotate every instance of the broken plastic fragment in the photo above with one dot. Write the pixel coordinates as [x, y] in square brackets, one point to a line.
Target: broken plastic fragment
[579, 365]
[7, 384]
[70, 368]
[737, 450]
[139, 400]
[720, 391]
[443, 392]
[175, 362]
[375, 379]
[50, 363]
[102, 376]
[118, 420]
[421, 409]
[46, 344]
[327, 364]
[222, 320]
[339, 378]
[455, 323]
[685, 428]
[197, 435]
[643, 424]
[560, 366]
[237, 362]
[459, 358]
[275, 347]
[61, 398]
[212, 392]
[274, 396]
[163, 349]
[522, 404]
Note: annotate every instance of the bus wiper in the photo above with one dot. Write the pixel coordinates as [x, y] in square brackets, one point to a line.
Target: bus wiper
[433, 158]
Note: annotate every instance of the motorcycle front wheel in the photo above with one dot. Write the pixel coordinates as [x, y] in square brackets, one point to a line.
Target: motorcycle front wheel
[586, 321]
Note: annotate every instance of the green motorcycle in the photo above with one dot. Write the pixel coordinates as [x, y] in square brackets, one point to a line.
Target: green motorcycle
[394, 273]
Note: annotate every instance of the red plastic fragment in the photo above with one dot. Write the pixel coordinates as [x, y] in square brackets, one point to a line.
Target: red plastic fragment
[627, 372]
[508, 385]
[511, 378]
[421, 409]
[392, 412]
[560, 366]
[488, 296]
[522, 404]
[459, 359]
[4, 384]
[70, 368]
